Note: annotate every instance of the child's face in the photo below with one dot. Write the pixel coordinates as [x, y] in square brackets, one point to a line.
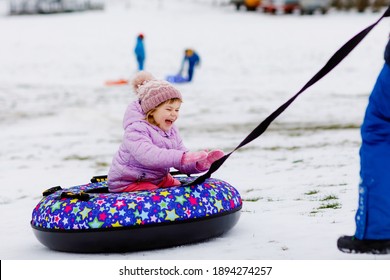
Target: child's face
[166, 114]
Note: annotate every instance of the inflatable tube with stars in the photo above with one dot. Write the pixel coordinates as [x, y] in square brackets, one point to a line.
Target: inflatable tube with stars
[89, 219]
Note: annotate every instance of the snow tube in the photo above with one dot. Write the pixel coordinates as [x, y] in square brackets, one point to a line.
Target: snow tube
[176, 79]
[117, 82]
[89, 219]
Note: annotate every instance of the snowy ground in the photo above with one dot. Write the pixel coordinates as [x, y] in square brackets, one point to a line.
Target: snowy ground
[60, 124]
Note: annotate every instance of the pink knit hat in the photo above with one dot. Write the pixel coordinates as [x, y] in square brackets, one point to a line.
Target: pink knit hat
[152, 92]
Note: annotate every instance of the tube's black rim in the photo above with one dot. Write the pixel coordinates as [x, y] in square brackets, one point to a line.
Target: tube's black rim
[137, 227]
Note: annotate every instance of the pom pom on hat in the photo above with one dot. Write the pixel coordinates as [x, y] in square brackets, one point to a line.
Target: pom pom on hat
[140, 79]
[152, 92]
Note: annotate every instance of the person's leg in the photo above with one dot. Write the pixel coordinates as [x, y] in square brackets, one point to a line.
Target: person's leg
[190, 73]
[169, 181]
[140, 186]
[140, 64]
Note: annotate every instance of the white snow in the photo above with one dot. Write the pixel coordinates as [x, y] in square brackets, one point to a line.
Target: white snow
[60, 124]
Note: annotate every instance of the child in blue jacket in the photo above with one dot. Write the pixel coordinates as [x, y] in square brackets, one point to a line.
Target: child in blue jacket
[193, 60]
[139, 51]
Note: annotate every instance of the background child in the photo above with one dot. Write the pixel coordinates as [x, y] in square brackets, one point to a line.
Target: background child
[193, 60]
[139, 52]
[151, 143]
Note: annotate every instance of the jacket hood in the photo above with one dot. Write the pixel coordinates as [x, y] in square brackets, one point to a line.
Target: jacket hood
[133, 114]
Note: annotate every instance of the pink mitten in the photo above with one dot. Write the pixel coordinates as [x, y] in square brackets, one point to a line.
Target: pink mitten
[192, 157]
[211, 157]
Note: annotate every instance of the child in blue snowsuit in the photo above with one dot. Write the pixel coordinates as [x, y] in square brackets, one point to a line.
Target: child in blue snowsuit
[140, 52]
[373, 215]
[193, 60]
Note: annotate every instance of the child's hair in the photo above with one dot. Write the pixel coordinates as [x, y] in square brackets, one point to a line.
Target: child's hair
[149, 115]
[152, 92]
[188, 52]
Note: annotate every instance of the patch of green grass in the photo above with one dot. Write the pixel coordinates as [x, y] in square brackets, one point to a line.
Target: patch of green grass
[252, 199]
[101, 164]
[329, 197]
[312, 192]
[77, 157]
[312, 213]
[334, 205]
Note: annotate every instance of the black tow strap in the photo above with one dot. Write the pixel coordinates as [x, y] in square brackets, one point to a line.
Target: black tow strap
[332, 63]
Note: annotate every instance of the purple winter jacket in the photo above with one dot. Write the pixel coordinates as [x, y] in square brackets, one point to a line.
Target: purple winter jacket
[146, 153]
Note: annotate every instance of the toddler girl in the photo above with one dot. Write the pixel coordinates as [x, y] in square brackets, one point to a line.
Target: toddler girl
[151, 143]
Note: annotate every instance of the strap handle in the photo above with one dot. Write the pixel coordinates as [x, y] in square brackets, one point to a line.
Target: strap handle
[332, 63]
[80, 196]
[51, 190]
